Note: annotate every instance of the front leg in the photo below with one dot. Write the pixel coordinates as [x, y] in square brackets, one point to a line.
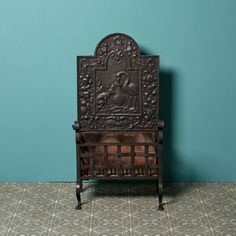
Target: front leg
[160, 193]
[159, 139]
[81, 186]
[78, 196]
[78, 182]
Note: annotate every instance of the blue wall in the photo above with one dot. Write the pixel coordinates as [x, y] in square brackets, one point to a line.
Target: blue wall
[39, 42]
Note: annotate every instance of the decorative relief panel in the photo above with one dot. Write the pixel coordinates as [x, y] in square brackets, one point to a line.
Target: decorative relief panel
[118, 88]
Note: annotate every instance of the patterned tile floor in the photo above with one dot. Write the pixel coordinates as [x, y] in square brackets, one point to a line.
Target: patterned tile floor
[117, 209]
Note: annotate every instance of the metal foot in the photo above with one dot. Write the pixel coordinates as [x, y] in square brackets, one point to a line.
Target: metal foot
[78, 207]
[160, 207]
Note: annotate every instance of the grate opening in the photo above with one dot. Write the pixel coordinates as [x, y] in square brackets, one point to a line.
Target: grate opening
[114, 155]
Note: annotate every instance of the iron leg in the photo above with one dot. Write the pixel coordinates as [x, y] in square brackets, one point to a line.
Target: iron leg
[160, 192]
[78, 207]
[81, 186]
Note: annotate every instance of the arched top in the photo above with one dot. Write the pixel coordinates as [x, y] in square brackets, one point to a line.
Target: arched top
[117, 87]
[117, 42]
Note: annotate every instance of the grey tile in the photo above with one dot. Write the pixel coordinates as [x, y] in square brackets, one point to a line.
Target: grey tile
[118, 209]
[62, 232]
[40, 187]
[233, 185]
[101, 231]
[178, 191]
[188, 218]
[111, 204]
[34, 212]
[67, 220]
[142, 204]
[181, 232]
[10, 196]
[224, 232]
[41, 207]
[233, 189]
[186, 212]
[110, 214]
[214, 191]
[145, 217]
[78, 222]
[220, 205]
[223, 225]
[184, 223]
[33, 220]
[28, 231]
[3, 231]
[112, 222]
[10, 193]
[6, 214]
[150, 223]
[186, 204]
[186, 209]
[38, 199]
[150, 231]
[217, 207]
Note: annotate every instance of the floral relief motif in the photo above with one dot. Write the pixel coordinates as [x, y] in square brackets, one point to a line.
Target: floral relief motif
[118, 88]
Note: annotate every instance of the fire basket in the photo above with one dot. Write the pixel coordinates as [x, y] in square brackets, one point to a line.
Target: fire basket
[118, 131]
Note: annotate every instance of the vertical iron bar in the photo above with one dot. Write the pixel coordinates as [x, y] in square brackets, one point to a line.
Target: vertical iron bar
[91, 162]
[146, 161]
[106, 160]
[132, 154]
[119, 160]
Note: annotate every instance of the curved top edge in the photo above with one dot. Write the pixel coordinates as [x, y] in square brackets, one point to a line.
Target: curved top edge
[116, 35]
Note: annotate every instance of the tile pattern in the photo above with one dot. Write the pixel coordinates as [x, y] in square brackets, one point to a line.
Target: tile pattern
[117, 209]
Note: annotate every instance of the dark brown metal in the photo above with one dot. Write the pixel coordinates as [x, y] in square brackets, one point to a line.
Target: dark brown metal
[118, 87]
[118, 93]
[132, 155]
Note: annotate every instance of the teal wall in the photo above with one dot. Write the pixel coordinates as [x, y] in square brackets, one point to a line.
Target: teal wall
[39, 42]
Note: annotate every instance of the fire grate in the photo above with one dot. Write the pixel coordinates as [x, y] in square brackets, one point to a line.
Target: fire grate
[118, 133]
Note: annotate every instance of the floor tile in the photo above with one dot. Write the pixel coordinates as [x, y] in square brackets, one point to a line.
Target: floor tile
[30, 231]
[183, 223]
[214, 191]
[110, 213]
[78, 222]
[118, 209]
[223, 225]
[233, 189]
[111, 222]
[149, 223]
[10, 193]
[10, 196]
[3, 231]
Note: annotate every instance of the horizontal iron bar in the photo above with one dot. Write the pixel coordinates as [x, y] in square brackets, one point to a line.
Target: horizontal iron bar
[124, 154]
[117, 144]
[114, 166]
[117, 130]
[120, 177]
